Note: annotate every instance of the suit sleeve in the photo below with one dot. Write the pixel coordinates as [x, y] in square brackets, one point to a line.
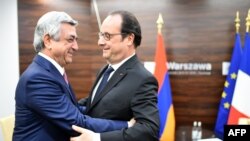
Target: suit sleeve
[145, 112]
[49, 100]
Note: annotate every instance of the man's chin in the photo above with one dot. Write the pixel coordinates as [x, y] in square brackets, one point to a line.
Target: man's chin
[105, 56]
[69, 61]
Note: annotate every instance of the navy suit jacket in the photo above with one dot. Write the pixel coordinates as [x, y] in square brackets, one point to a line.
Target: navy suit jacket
[46, 107]
[130, 93]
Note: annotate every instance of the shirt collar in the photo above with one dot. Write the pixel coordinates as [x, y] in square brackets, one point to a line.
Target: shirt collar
[116, 66]
[58, 67]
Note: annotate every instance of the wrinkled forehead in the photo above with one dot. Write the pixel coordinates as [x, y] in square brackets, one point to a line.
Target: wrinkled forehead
[68, 31]
[112, 24]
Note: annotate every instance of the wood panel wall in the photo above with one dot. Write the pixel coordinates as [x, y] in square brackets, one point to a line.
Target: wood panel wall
[194, 31]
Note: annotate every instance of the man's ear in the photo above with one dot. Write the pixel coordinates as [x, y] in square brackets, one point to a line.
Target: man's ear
[47, 41]
[131, 38]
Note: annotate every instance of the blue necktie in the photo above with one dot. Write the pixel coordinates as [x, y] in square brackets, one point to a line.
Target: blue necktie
[104, 80]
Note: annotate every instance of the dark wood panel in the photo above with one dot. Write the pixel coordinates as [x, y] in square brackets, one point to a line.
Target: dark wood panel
[194, 31]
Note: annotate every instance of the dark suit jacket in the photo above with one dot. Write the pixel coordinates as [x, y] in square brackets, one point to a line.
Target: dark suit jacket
[130, 93]
[46, 107]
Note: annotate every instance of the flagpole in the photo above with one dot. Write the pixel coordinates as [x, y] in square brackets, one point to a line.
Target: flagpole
[165, 103]
[97, 14]
[159, 23]
[237, 22]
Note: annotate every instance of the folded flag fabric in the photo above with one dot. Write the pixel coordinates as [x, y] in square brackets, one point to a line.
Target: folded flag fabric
[165, 105]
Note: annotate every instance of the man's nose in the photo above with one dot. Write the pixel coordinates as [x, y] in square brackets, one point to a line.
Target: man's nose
[101, 41]
[75, 45]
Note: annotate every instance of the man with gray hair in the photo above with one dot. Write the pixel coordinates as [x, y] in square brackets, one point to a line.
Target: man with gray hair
[46, 106]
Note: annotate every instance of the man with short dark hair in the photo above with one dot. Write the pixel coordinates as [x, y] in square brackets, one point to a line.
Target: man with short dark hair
[131, 90]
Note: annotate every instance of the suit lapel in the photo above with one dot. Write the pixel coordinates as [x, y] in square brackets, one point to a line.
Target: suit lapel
[52, 69]
[119, 74]
[114, 80]
[99, 75]
[72, 95]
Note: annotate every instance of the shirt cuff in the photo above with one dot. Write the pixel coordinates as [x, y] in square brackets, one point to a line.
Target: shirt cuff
[97, 137]
[129, 124]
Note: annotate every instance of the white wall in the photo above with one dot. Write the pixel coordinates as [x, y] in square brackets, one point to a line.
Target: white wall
[9, 64]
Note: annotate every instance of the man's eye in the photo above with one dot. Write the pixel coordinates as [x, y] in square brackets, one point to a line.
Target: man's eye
[106, 35]
[70, 40]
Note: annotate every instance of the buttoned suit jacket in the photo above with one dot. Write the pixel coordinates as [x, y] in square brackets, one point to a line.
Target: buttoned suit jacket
[130, 93]
[46, 106]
